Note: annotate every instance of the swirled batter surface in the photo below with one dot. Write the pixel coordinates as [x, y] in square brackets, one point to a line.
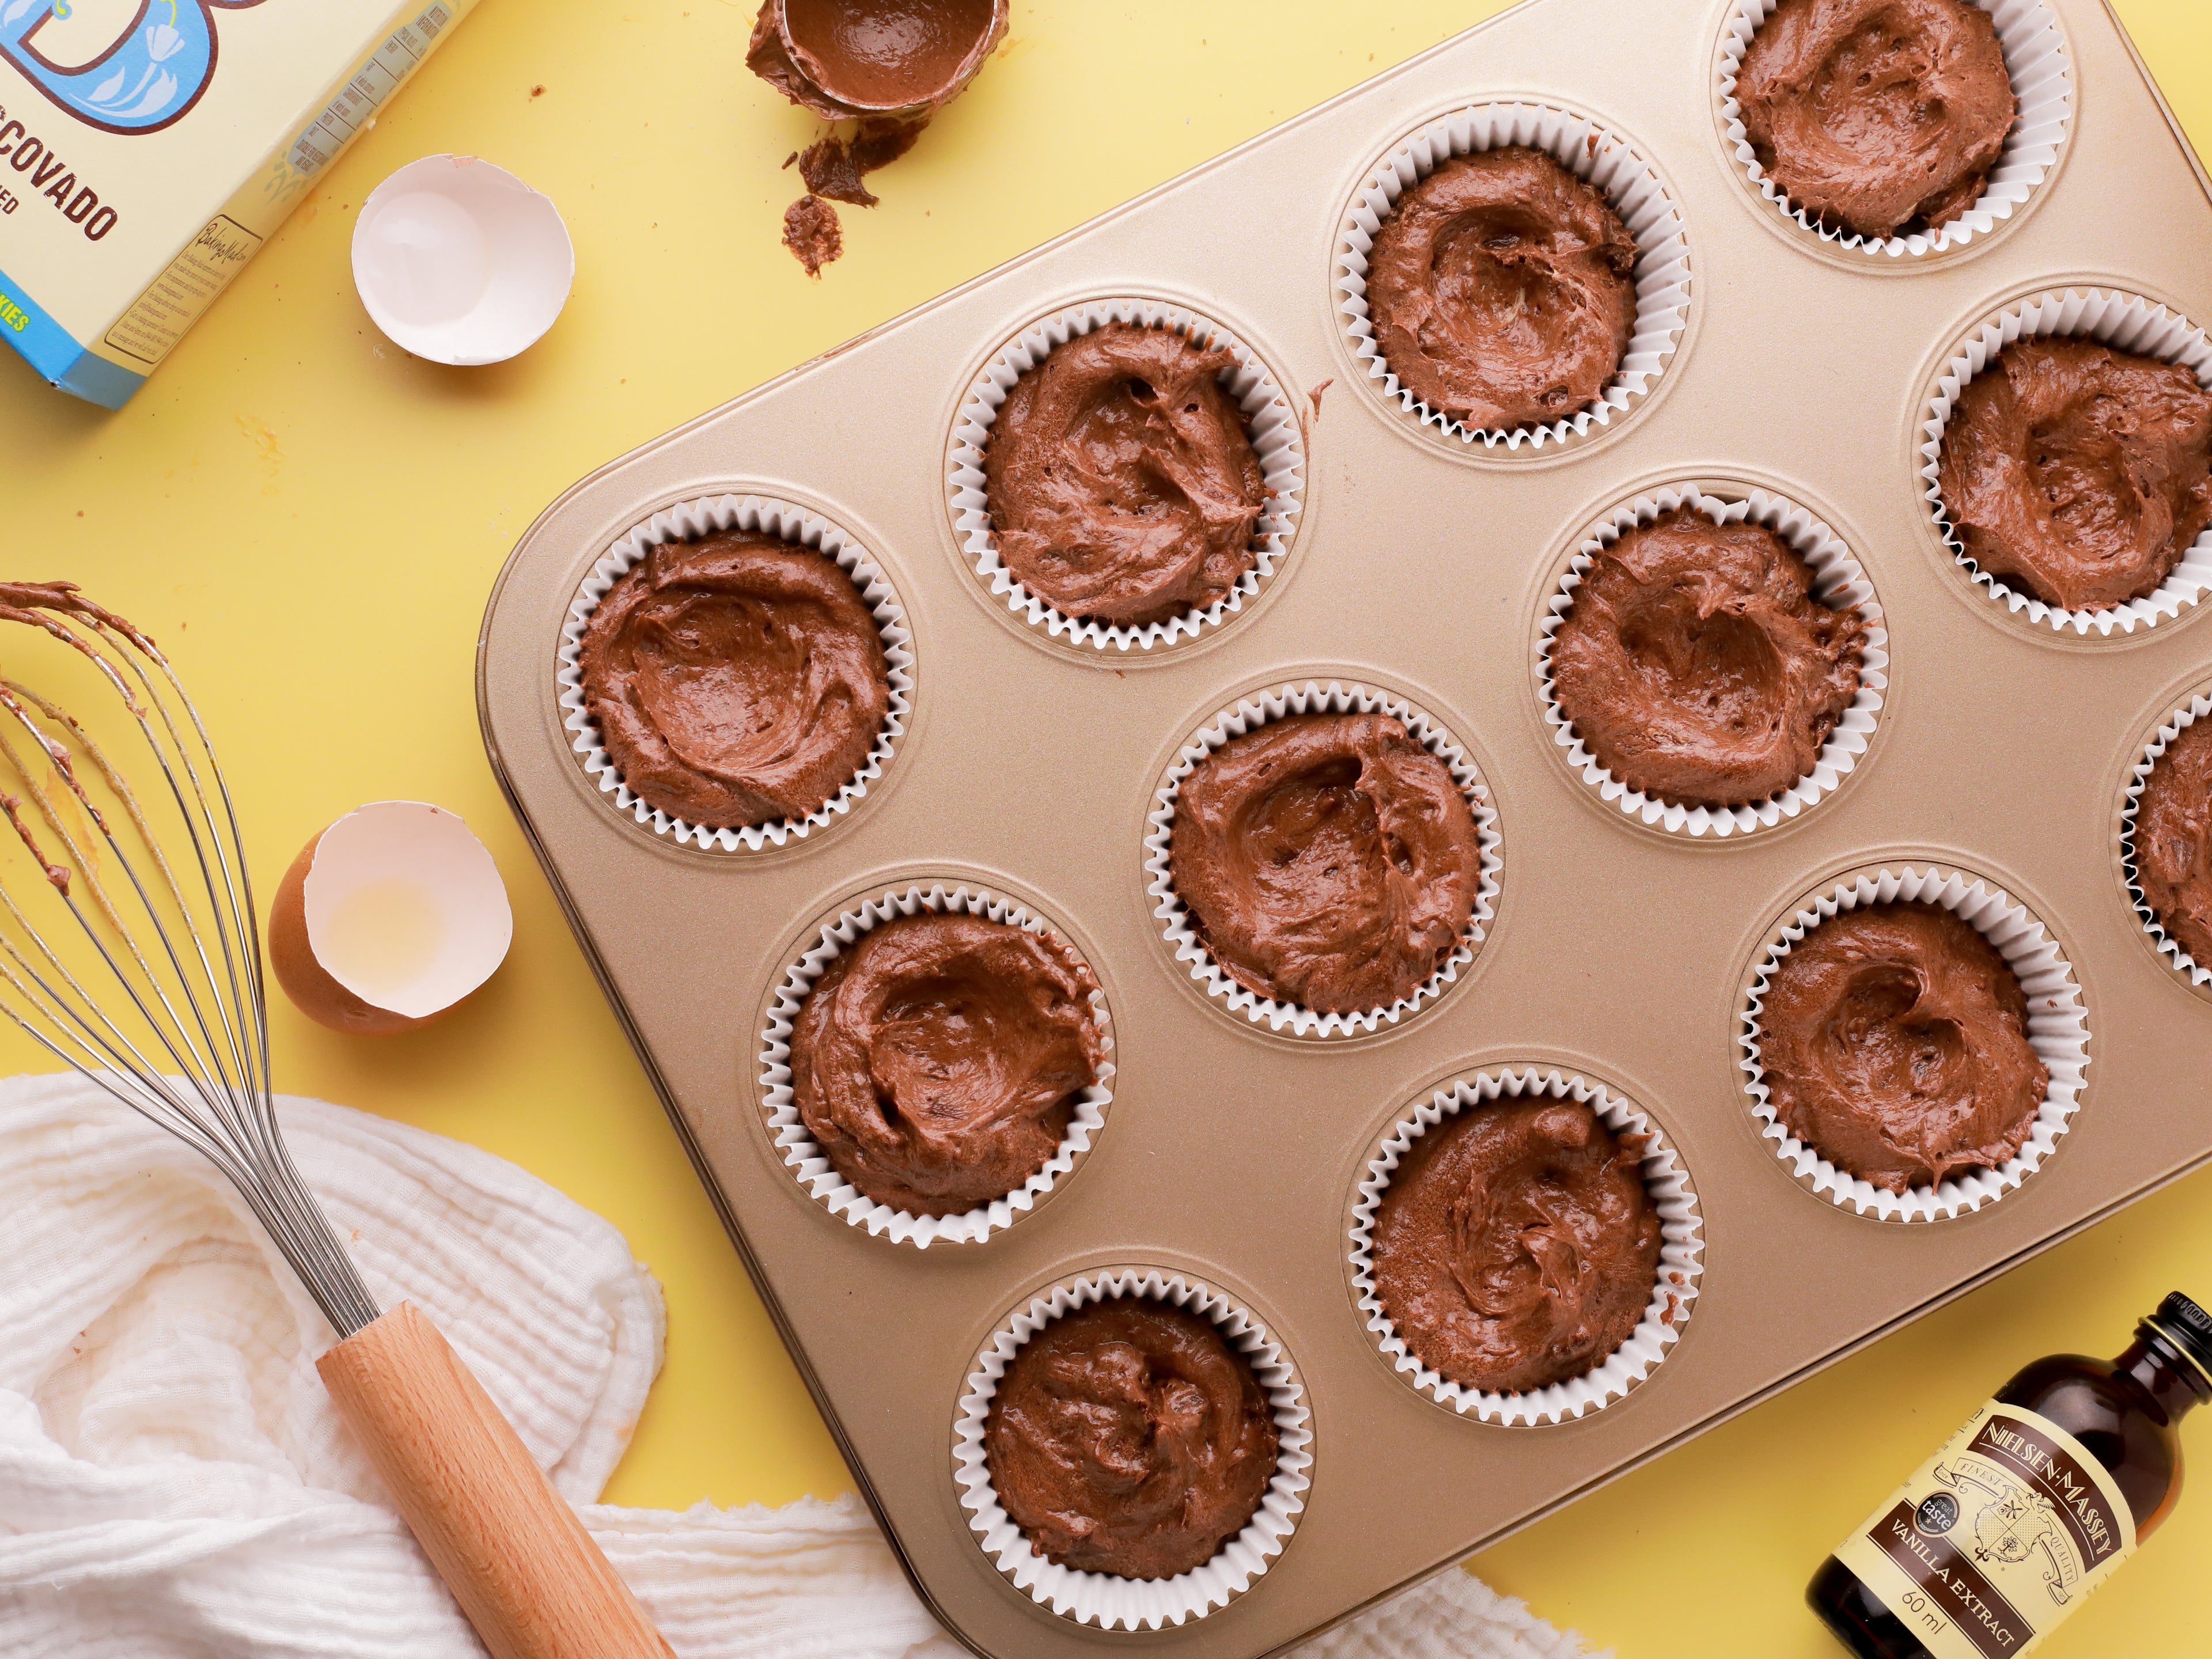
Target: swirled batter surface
[1120, 479]
[1502, 290]
[2173, 842]
[1894, 1042]
[1879, 117]
[1697, 666]
[1516, 1246]
[937, 1059]
[2077, 473]
[1126, 1438]
[1328, 860]
[737, 679]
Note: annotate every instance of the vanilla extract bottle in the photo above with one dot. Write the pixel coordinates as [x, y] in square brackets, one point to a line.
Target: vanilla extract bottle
[2031, 1505]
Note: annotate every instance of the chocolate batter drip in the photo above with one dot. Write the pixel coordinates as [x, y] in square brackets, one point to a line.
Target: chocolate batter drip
[737, 679]
[1502, 290]
[1878, 117]
[2079, 474]
[1126, 1438]
[1894, 1042]
[1328, 861]
[937, 1061]
[2173, 842]
[1697, 666]
[1120, 482]
[1516, 1246]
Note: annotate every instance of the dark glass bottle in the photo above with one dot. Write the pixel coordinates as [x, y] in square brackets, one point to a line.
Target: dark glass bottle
[2028, 1508]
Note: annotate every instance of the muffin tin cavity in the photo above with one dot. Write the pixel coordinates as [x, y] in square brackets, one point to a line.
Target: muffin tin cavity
[2196, 710]
[814, 1171]
[2057, 1030]
[1673, 1290]
[1838, 580]
[2124, 322]
[689, 520]
[1249, 714]
[2042, 82]
[1594, 153]
[1271, 422]
[1102, 1599]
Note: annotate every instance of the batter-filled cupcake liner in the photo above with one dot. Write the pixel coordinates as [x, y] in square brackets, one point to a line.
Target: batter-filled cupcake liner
[2042, 83]
[1271, 421]
[688, 521]
[1674, 1288]
[1249, 715]
[1106, 1600]
[2057, 1030]
[1838, 580]
[2198, 707]
[2125, 322]
[1594, 154]
[804, 1158]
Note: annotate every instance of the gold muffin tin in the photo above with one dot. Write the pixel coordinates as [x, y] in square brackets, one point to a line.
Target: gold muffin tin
[1232, 1154]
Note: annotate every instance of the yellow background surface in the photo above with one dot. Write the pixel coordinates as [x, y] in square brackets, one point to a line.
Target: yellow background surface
[310, 521]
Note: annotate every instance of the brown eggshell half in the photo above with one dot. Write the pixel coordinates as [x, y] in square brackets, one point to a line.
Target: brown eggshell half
[305, 980]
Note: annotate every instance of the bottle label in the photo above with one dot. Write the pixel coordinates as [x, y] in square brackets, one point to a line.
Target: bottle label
[1995, 1539]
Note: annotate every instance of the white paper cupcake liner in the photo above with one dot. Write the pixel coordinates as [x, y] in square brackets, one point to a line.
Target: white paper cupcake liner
[2057, 1030]
[1270, 418]
[2124, 322]
[1838, 580]
[1102, 1599]
[2197, 708]
[688, 521]
[2042, 82]
[1250, 713]
[1674, 1288]
[1591, 152]
[806, 1160]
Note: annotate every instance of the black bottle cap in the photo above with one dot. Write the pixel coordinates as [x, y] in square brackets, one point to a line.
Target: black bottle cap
[2189, 1328]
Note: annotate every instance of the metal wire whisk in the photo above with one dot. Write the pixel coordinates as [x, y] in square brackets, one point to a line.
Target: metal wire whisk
[143, 973]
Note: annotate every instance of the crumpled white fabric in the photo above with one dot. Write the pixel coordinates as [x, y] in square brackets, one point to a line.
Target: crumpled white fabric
[174, 1484]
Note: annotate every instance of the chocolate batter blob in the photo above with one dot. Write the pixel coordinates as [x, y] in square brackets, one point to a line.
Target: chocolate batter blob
[2076, 473]
[736, 680]
[937, 1060]
[1120, 482]
[1697, 666]
[2173, 842]
[812, 233]
[1880, 117]
[1502, 290]
[1328, 861]
[1126, 1438]
[1894, 1042]
[1516, 1246]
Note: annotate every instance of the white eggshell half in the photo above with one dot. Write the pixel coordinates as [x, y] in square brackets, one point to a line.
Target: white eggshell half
[460, 262]
[405, 907]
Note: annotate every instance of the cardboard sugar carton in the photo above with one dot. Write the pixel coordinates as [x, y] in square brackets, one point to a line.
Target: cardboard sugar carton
[150, 147]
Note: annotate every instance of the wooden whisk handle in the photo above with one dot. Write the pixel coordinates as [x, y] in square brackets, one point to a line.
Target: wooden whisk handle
[509, 1547]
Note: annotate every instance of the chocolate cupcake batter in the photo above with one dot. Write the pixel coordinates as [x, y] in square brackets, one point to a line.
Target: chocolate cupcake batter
[1877, 116]
[1516, 1246]
[1126, 1438]
[1697, 666]
[1502, 290]
[1120, 482]
[736, 680]
[1328, 861]
[2078, 474]
[2173, 842]
[936, 1062]
[1894, 1042]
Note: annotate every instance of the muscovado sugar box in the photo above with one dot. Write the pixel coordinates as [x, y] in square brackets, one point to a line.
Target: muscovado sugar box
[150, 147]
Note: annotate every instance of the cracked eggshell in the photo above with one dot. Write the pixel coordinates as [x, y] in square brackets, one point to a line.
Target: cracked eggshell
[459, 261]
[388, 918]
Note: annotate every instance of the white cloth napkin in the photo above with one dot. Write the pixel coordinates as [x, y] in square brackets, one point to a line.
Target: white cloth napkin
[174, 1484]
